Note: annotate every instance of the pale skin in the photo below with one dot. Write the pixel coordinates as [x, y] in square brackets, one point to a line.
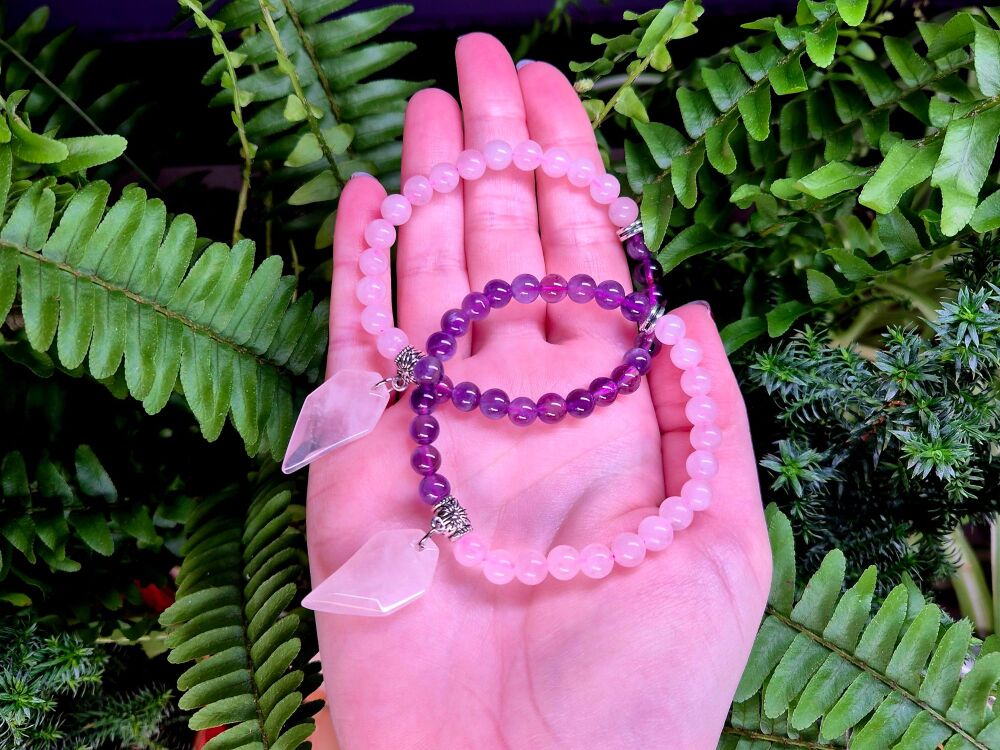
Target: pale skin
[647, 657]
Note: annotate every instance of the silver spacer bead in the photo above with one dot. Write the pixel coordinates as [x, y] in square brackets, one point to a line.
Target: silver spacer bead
[650, 322]
[450, 519]
[630, 231]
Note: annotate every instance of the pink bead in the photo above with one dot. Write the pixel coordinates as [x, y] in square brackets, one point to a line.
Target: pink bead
[706, 436]
[396, 209]
[696, 381]
[371, 289]
[470, 549]
[498, 154]
[702, 464]
[555, 162]
[373, 262]
[686, 354]
[604, 188]
[527, 155]
[676, 512]
[498, 567]
[376, 318]
[657, 533]
[669, 329]
[596, 560]
[700, 410]
[380, 233]
[628, 549]
[444, 177]
[564, 562]
[696, 494]
[581, 172]
[418, 190]
[531, 567]
[471, 164]
[391, 342]
[623, 211]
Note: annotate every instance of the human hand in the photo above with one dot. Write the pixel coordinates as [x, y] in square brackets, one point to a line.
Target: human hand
[647, 657]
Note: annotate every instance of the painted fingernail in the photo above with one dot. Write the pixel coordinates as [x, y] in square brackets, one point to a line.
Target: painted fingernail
[361, 174]
[521, 63]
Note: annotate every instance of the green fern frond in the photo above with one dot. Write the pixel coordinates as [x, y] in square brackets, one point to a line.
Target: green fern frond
[236, 616]
[826, 672]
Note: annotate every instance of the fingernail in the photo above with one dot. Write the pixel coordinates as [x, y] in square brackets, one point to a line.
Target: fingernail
[701, 302]
[521, 63]
[361, 174]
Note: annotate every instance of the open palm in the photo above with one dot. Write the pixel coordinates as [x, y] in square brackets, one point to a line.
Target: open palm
[647, 657]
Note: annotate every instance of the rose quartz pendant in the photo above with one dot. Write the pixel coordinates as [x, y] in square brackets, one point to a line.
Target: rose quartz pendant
[386, 574]
[345, 408]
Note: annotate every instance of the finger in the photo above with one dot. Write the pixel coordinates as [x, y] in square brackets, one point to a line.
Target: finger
[350, 345]
[577, 235]
[430, 263]
[501, 221]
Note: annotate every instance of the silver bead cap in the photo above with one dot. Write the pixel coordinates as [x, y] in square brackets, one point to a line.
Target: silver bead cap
[630, 231]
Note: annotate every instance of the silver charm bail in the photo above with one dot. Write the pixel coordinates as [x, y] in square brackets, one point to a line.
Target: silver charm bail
[631, 230]
[405, 361]
[450, 519]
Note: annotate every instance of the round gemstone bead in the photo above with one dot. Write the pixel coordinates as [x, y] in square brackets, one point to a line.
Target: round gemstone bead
[425, 459]
[396, 209]
[498, 154]
[494, 403]
[476, 305]
[531, 567]
[596, 560]
[686, 354]
[581, 288]
[551, 408]
[465, 396]
[581, 172]
[376, 318]
[442, 390]
[636, 306]
[656, 532]
[702, 464]
[522, 411]
[371, 289]
[391, 342]
[635, 247]
[470, 549]
[434, 488]
[604, 188]
[373, 262]
[498, 567]
[498, 292]
[424, 429]
[676, 512]
[380, 234]
[700, 410]
[627, 378]
[564, 562]
[423, 399]
[555, 162]
[471, 164]
[706, 437]
[418, 190]
[604, 390]
[609, 295]
[628, 549]
[455, 322]
[553, 288]
[670, 329]
[638, 358]
[696, 381]
[580, 403]
[442, 345]
[444, 177]
[526, 288]
[428, 370]
[696, 494]
[527, 155]
[623, 211]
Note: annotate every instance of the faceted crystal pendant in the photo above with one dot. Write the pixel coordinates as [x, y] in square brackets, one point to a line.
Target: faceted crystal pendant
[386, 574]
[345, 408]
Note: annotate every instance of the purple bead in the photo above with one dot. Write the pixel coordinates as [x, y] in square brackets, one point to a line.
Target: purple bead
[465, 396]
[580, 403]
[425, 459]
[609, 295]
[522, 411]
[494, 403]
[476, 305]
[455, 322]
[639, 278]
[635, 247]
[434, 488]
[638, 358]
[605, 391]
[428, 370]
[636, 307]
[551, 408]
[627, 377]
[525, 288]
[554, 288]
[442, 391]
[424, 429]
[498, 292]
[581, 288]
[423, 399]
[442, 345]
